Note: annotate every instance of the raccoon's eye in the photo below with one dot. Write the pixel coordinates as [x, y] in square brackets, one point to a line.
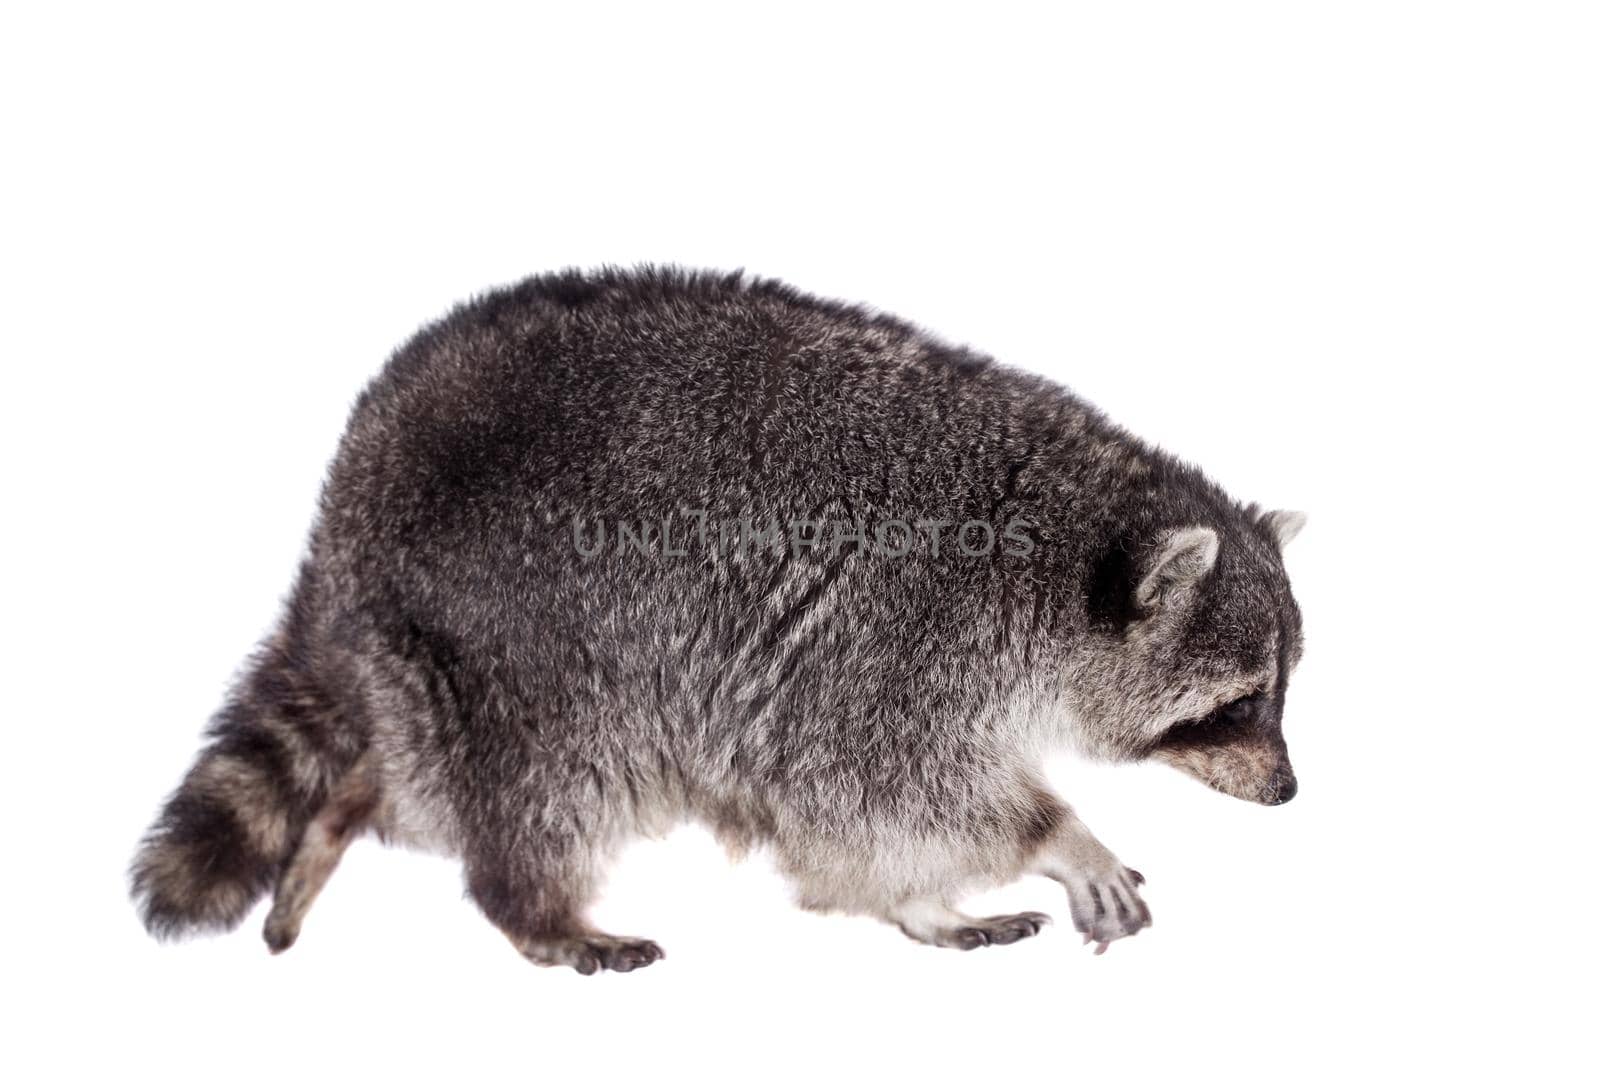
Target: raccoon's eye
[1237, 711]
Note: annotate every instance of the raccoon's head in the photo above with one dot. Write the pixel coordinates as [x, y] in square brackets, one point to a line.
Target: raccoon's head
[1197, 633]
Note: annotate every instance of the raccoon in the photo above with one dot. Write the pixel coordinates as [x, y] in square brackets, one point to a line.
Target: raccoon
[603, 552]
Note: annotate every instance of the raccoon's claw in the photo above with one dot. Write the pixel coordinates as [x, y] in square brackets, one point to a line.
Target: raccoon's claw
[631, 955]
[967, 938]
[1107, 908]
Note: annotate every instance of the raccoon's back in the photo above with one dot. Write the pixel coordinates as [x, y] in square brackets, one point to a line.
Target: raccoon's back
[635, 394]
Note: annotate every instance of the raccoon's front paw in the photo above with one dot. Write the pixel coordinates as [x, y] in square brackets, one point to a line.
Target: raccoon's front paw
[1106, 905]
[995, 930]
[935, 923]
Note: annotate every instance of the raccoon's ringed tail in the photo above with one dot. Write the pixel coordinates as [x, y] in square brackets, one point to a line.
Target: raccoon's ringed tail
[274, 753]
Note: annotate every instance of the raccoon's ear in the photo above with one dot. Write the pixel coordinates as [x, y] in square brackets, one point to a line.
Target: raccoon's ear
[1184, 556]
[1284, 524]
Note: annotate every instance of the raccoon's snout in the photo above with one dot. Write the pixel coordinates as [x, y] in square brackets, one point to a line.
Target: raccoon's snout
[1253, 768]
[1283, 790]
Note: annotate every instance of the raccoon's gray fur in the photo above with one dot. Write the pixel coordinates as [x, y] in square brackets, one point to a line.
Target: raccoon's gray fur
[511, 641]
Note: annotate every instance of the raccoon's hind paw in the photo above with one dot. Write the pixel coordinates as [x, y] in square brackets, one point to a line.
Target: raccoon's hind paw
[592, 953]
[278, 934]
[1107, 907]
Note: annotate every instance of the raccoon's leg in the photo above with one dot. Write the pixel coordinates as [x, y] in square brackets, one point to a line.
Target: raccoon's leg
[938, 849]
[1102, 894]
[536, 809]
[1039, 835]
[346, 814]
[537, 896]
[535, 837]
[934, 922]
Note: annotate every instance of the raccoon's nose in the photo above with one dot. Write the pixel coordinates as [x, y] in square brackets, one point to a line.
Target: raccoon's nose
[1286, 791]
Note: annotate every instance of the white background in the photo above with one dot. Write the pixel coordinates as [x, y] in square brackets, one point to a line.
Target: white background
[1344, 256]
